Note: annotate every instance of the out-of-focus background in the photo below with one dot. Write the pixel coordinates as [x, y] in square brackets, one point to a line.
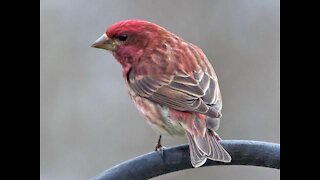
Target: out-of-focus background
[88, 123]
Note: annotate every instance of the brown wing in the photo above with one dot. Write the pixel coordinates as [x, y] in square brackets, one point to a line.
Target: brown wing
[180, 91]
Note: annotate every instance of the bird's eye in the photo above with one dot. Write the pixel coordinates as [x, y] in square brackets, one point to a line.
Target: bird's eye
[123, 37]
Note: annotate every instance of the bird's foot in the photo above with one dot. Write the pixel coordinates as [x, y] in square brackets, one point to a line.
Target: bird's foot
[158, 146]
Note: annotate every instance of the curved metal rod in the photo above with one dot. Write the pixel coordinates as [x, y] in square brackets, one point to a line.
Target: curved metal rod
[243, 152]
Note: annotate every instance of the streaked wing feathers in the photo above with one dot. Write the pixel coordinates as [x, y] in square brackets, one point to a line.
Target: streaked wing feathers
[179, 91]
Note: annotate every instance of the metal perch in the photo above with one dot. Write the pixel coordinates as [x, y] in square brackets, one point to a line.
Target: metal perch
[243, 152]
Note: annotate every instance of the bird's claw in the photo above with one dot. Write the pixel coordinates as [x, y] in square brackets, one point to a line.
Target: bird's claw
[158, 147]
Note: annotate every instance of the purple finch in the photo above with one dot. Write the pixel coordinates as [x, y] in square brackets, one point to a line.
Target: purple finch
[172, 84]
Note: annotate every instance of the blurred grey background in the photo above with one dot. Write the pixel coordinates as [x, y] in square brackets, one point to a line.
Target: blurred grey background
[88, 123]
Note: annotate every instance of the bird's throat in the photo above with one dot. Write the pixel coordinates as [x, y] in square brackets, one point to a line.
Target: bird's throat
[125, 71]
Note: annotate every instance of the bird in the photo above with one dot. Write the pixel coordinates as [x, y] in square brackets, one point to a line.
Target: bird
[171, 82]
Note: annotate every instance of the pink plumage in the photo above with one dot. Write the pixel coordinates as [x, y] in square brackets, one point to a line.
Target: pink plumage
[172, 84]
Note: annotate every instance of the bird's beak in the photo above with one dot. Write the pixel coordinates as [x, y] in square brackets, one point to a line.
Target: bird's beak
[104, 42]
